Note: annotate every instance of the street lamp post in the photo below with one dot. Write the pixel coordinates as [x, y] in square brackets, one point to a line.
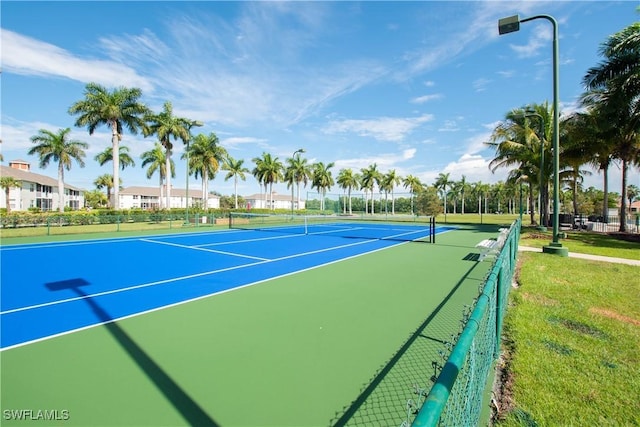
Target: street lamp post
[293, 156]
[509, 25]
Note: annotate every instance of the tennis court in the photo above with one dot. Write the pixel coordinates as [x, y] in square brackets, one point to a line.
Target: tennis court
[232, 328]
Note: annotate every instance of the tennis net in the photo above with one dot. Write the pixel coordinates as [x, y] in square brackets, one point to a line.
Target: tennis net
[397, 227]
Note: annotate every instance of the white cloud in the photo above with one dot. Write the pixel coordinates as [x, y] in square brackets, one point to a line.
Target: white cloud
[28, 56]
[383, 129]
[480, 85]
[541, 37]
[426, 98]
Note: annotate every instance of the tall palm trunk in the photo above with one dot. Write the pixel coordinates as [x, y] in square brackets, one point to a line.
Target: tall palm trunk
[235, 189]
[205, 189]
[60, 187]
[115, 139]
[161, 191]
[623, 201]
[168, 177]
[393, 203]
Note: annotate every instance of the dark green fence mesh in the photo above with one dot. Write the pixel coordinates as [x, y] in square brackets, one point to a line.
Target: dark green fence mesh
[456, 398]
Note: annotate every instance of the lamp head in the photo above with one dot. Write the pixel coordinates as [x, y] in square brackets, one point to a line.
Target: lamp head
[509, 24]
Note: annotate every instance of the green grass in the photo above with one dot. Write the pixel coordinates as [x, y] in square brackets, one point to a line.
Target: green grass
[572, 332]
[584, 242]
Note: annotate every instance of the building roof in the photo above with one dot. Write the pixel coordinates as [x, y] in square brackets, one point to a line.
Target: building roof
[155, 192]
[23, 175]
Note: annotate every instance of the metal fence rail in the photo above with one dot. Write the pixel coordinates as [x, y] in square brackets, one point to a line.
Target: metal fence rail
[456, 397]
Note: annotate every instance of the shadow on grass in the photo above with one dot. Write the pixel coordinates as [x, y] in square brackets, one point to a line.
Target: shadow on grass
[180, 400]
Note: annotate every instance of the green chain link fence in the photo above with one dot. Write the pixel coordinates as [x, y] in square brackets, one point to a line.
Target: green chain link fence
[456, 398]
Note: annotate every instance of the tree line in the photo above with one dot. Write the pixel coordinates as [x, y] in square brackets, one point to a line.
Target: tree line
[605, 132]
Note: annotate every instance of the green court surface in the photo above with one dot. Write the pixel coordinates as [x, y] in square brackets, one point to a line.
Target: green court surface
[342, 344]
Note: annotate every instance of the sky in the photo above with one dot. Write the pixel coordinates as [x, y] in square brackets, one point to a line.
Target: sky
[413, 86]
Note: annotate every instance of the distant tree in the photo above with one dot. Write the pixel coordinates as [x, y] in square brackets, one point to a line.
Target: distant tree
[157, 161]
[166, 127]
[95, 199]
[105, 181]
[268, 171]
[297, 172]
[370, 177]
[442, 184]
[206, 155]
[632, 194]
[107, 156]
[235, 170]
[7, 183]
[322, 179]
[348, 180]
[414, 185]
[427, 202]
[57, 147]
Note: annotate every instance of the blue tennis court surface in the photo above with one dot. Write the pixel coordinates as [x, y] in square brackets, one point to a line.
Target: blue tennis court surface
[46, 287]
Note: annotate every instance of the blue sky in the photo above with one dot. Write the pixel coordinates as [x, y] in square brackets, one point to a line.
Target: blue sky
[412, 86]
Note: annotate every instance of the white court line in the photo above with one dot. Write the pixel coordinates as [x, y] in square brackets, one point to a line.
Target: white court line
[200, 297]
[203, 249]
[233, 242]
[159, 282]
[46, 245]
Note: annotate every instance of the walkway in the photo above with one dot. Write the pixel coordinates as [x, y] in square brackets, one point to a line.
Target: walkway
[587, 256]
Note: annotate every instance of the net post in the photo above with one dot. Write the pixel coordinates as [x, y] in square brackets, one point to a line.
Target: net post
[230, 220]
[432, 228]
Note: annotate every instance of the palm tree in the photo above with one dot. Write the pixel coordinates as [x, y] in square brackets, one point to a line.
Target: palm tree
[268, 171]
[613, 87]
[442, 184]
[590, 136]
[297, 171]
[370, 177]
[57, 147]
[8, 182]
[205, 158]
[414, 185]
[390, 180]
[166, 126]
[322, 179]
[236, 170]
[632, 193]
[107, 156]
[463, 187]
[480, 189]
[348, 181]
[519, 146]
[95, 199]
[157, 161]
[116, 109]
[105, 181]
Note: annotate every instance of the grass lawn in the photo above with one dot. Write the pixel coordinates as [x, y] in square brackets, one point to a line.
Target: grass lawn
[572, 334]
[583, 242]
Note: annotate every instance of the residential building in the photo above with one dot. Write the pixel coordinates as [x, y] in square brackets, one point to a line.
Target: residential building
[149, 198]
[257, 201]
[36, 190]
